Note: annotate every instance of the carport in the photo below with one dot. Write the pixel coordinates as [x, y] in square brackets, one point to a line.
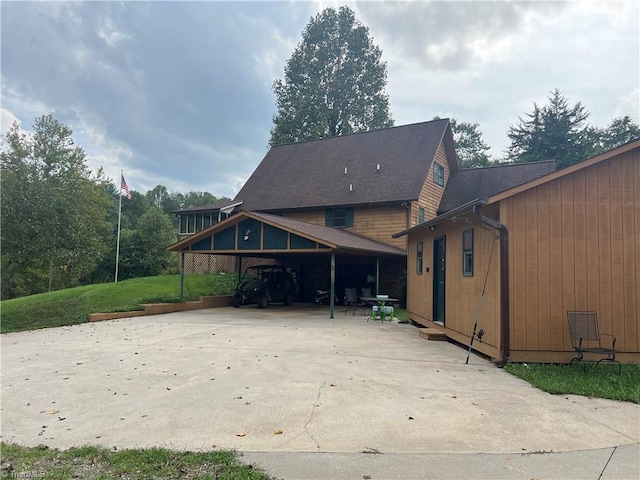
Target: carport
[262, 235]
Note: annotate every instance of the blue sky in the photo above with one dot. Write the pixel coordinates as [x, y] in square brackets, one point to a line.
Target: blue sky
[179, 93]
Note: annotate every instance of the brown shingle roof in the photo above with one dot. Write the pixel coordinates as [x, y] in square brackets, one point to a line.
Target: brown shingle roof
[469, 184]
[340, 240]
[312, 174]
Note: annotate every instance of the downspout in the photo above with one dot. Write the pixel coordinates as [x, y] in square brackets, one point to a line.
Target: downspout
[504, 283]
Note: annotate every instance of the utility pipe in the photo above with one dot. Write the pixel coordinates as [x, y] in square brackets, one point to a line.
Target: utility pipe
[504, 283]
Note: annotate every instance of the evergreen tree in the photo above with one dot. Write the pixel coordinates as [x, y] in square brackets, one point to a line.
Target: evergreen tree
[554, 132]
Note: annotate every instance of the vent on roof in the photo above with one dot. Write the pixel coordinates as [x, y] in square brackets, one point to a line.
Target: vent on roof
[351, 187]
[345, 170]
[378, 168]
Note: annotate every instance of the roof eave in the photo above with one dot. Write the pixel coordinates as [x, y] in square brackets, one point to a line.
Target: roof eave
[462, 209]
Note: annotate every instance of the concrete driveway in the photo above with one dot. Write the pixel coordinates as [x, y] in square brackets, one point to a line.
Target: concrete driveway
[282, 380]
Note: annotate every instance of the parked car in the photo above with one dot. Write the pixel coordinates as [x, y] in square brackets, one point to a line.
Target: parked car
[263, 284]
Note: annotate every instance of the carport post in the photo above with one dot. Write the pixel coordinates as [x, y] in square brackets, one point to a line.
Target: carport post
[377, 275]
[181, 275]
[333, 285]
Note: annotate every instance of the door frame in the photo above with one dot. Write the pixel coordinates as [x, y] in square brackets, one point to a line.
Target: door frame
[437, 281]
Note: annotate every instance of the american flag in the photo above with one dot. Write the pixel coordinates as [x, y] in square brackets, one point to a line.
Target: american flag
[123, 186]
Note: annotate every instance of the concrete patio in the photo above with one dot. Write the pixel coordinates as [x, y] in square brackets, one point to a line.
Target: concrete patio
[300, 395]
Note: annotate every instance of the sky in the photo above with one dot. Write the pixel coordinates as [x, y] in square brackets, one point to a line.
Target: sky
[180, 93]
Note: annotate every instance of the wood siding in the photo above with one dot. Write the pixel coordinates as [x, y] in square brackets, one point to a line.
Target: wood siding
[377, 223]
[462, 293]
[575, 245]
[431, 192]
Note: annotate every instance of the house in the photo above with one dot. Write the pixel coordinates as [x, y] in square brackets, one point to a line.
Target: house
[518, 254]
[328, 209]
[343, 196]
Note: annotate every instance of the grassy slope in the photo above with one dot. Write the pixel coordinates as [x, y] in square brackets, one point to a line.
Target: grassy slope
[71, 306]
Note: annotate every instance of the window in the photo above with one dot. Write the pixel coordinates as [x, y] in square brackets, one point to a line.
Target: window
[419, 248]
[420, 215]
[194, 222]
[467, 253]
[438, 174]
[339, 217]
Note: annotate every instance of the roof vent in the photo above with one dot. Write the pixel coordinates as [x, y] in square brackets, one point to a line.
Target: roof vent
[378, 168]
[351, 187]
[345, 170]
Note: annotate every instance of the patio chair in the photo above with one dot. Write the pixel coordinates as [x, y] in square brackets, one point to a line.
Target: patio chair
[586, 338]
[351, 300]
[366, 306]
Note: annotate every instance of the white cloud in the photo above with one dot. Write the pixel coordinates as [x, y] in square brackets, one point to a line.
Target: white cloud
[629, 104]
[108, 32]
[6, 120]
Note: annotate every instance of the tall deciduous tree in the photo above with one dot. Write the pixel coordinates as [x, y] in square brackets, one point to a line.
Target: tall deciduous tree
[553, 132]
[53, 210]
[334, 83]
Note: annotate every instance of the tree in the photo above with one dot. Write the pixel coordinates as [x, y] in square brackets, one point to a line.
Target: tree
[199, 199]
[142, 251]
[53, 210]
[334, 82]
[471, 149]
[554, 132]
[621, 130]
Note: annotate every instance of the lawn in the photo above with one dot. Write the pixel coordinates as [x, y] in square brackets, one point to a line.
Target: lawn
[600, 382]
[95, 463]
[71, 306]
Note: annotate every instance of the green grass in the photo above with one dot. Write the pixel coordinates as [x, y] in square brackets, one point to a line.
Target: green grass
[95, 463]
[600, 382]
[71, 306]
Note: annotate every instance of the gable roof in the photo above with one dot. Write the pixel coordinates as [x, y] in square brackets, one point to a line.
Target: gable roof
[334, 238]
[342, 170]
[468, 184]
[471, 204]
[497, 196]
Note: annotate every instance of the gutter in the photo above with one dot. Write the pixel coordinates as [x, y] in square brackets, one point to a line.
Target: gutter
[504, 282]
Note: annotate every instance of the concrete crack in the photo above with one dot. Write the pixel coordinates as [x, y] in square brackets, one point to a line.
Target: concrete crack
[315, 405]
[607, 464]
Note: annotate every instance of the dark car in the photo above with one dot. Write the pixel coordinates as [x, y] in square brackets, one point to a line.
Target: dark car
[262, 284]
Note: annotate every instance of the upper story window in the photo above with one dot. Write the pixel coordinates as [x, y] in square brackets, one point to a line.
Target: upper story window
[339, 217]
[194, 222]
[438, 174]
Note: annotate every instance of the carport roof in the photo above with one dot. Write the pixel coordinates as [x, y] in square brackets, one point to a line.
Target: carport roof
[338, 240]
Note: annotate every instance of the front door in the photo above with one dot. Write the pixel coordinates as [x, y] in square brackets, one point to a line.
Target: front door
[438, 279]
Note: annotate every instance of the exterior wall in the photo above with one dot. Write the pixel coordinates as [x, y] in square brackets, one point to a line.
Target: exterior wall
[575, 245]
[462, 293]
[431, 192]
[377, 223]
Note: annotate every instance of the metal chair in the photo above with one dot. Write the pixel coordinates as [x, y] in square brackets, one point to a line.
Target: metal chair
[351, 300]
[586, 338]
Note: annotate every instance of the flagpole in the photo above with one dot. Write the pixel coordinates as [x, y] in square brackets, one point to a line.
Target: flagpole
[119, 217]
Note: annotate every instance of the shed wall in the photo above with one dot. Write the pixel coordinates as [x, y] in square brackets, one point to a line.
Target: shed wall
[575, 245]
